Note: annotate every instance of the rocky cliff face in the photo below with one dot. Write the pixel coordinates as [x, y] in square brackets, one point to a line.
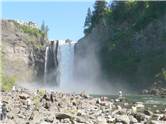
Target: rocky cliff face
[23, 52]
[93, 40]
[133, 56]
[52, 64]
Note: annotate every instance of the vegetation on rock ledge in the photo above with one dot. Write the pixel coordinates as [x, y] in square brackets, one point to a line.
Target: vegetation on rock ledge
[134, 50]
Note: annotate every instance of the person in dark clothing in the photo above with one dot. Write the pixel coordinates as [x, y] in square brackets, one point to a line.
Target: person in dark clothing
[4, 111]
[1, 110]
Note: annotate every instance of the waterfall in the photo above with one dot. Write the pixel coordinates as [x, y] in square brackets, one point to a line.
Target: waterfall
[66, 63]
[59, 63]
[45, 65]
[51, 73]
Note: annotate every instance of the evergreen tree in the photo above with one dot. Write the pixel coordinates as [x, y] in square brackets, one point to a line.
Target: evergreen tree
[87, 23]
[44, 29]
[43, 26]
[99, 11]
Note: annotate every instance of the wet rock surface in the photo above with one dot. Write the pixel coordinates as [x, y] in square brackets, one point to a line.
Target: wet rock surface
[42, 107]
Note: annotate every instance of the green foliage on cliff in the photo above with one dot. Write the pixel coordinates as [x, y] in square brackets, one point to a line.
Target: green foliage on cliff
[36, 37]
[31, 30]
[126, 54]
[136, 13]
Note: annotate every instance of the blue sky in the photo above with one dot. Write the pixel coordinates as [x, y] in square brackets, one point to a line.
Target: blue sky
[65, 19]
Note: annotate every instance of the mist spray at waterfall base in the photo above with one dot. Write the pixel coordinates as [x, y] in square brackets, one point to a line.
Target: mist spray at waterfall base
[60, 73]
[69, 82]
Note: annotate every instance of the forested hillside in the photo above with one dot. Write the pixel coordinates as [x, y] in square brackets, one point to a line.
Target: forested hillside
[131, 40]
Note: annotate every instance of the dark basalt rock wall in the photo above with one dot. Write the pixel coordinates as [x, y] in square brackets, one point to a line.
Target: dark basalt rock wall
[52, 64]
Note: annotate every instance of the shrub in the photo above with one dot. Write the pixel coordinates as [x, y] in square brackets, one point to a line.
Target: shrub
[36, 101]
[7, 82]
[31, 30]
[42, 92]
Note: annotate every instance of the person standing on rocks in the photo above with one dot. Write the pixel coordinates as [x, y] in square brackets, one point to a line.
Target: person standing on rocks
[29, 102]
[120, 97]
[52, 97]
[14, 88]
[0, 110]
[4, 111]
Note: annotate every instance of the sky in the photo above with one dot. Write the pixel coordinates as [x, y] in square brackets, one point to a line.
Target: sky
[65, 19]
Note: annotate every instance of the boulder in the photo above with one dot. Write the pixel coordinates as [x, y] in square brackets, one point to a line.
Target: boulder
[24, 96]
[157, 122]
[157, 116]
[163, 118]
[133, 119]
[10, 115]
[46, 96]
[148, 112]
[101, 120]
[110, 119]
[155, 91]
[67, 121]
[123, 118]
[139, 116]
[49, 119]
[21, 116]
[81, 120]
[84, 95]
[60, 116]
[139, 105]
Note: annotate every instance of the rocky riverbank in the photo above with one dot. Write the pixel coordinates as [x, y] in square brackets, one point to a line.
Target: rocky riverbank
[41, 107]
[156, 89]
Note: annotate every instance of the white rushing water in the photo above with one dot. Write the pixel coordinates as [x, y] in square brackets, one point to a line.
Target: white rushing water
[63, 78]
[68, 81]
[59, 71]
[66, 64]
[63, 73]
[45, 64]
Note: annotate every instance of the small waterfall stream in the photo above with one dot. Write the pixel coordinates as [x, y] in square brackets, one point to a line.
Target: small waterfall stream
[45, 65]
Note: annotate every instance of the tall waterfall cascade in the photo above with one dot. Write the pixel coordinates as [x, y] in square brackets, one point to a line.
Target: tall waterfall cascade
[66, 62]
[59, 63]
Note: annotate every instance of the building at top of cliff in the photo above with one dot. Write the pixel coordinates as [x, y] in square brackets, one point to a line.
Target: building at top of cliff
[28, 23]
